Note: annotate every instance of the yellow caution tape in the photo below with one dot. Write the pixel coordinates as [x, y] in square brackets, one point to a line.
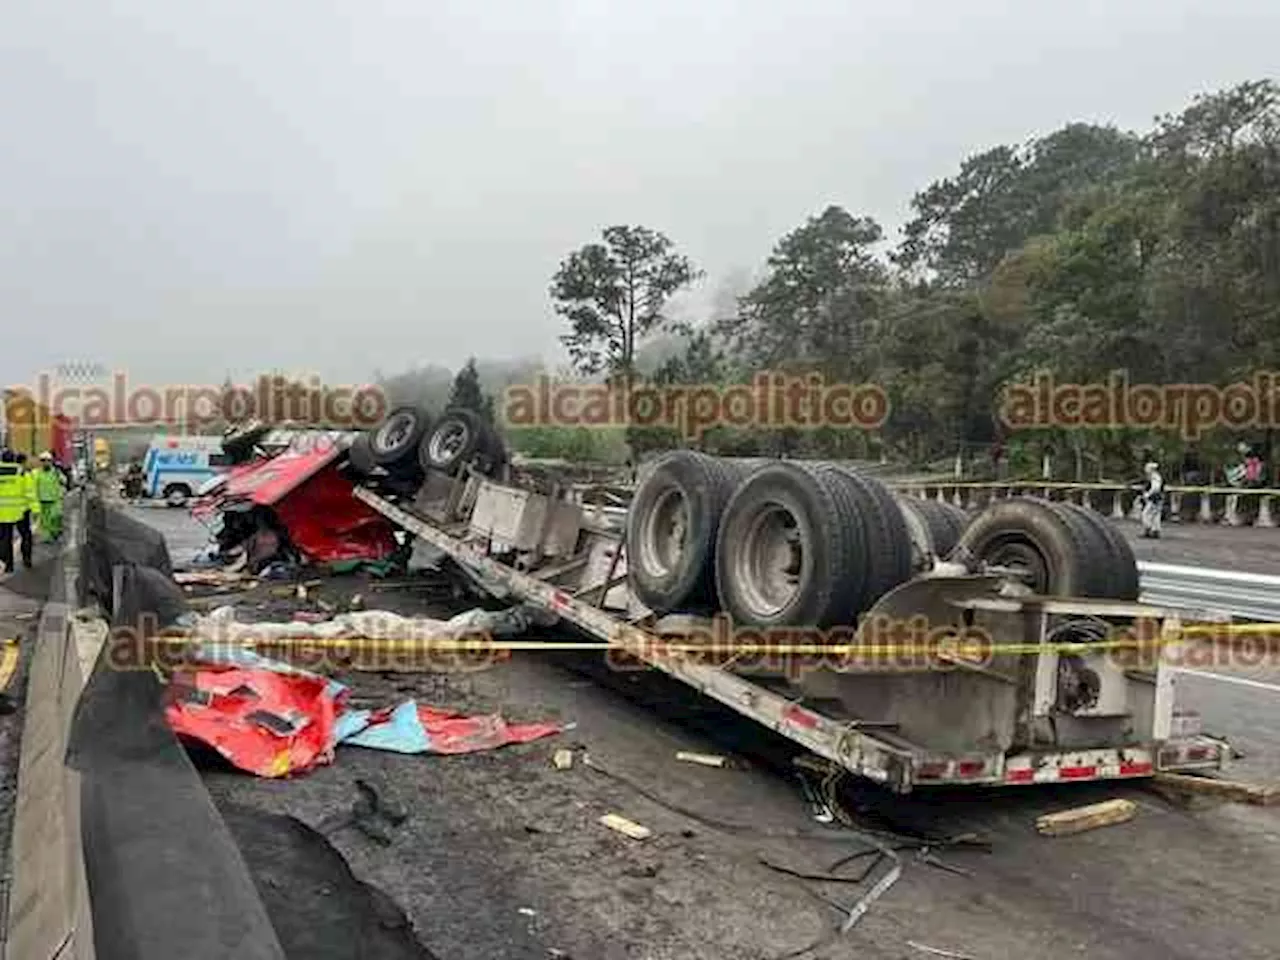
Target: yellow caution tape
[446, 645]
[945, 647]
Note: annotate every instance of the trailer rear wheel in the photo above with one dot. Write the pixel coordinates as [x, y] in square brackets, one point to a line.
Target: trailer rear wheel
[935, 528]
[1029, 536]
[360, 453]
[949, 524]
[1116, 566]
[885, 559]
[395, 442]
[671, 530]
[788, 552]
[457, 436]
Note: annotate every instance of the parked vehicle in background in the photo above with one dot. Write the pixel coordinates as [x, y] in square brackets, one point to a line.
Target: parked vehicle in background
[176, 467]
[101, 455]
[30, 429]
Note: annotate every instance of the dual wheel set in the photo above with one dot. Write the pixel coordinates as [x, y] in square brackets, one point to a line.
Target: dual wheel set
[815, 544]
[408, 443]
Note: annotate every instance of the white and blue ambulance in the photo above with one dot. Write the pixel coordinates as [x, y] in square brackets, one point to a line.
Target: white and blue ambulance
[176, 467]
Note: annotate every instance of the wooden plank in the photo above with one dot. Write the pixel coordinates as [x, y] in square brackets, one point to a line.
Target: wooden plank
[626, 827]
[703, 759]
[1089, 817]
[1261, 794]
[9, 655]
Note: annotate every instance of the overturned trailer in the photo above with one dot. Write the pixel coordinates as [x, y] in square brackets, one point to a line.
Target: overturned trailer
[846, 631]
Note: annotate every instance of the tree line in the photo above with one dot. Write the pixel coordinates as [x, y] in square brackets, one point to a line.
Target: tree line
[1082, 252]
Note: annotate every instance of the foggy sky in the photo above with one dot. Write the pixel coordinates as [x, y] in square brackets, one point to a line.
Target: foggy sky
[192, 189]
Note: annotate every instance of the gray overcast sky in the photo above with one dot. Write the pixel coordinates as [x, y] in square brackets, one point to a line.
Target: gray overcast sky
[191, 188]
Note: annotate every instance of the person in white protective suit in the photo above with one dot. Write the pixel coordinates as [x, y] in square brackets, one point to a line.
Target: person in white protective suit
[1152, 501]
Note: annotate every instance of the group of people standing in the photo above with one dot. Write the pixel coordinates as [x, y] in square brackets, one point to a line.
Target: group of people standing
[30, 499]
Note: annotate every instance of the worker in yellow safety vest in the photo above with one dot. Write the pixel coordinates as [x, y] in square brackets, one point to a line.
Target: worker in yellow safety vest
[17, 502]
[27, 526]
[48, 483]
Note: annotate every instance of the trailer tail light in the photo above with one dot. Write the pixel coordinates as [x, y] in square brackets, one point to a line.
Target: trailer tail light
[934, 770]
[800, 718]
[1135, 769]
[970, 768]
[1077, 773]
[1173, 756]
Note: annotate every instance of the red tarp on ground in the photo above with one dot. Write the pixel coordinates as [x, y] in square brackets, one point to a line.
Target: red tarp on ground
[273, 720]
[265, 722]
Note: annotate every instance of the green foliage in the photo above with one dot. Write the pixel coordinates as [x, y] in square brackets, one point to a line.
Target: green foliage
[580, 444]
[816, 305]
[467, 393]
[613, 294]
[965, 225]
[1081, 252]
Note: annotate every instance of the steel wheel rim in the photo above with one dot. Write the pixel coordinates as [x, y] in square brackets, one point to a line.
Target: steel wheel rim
[1023, 557]
[664, 532]
[768, 565]
[392, 433]
[449, 441]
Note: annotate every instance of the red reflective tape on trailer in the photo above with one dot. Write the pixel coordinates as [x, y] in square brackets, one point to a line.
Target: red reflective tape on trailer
[1135, 769]
[1021, 775]
[930, 771]
[1077, 773]
[969, 768]
[801, 718]
[560, 599]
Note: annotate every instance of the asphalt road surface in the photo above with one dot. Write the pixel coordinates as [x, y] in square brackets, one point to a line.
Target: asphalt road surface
[503, 856]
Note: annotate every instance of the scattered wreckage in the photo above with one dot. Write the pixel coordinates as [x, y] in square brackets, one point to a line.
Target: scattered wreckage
[288, 503]
[886, 635]
[896, 638]
[287, 498]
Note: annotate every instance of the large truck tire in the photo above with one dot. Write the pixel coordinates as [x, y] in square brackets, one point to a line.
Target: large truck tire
[496, 454]
[360, 453]
[1117, 569]
[789, 550]
[1092, 545]
[886, 555]
[935, 528]
[672, 524]
[1053, 553]
[456, 438]
[949, 523]
[394, 444]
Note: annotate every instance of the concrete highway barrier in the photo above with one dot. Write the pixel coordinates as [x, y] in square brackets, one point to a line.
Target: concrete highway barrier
[48, 913]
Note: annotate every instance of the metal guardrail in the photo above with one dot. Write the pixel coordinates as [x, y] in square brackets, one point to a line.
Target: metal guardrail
[1229, 506]
[1248, 596]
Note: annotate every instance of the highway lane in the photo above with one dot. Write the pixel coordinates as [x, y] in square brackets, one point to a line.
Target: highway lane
[505, 836]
